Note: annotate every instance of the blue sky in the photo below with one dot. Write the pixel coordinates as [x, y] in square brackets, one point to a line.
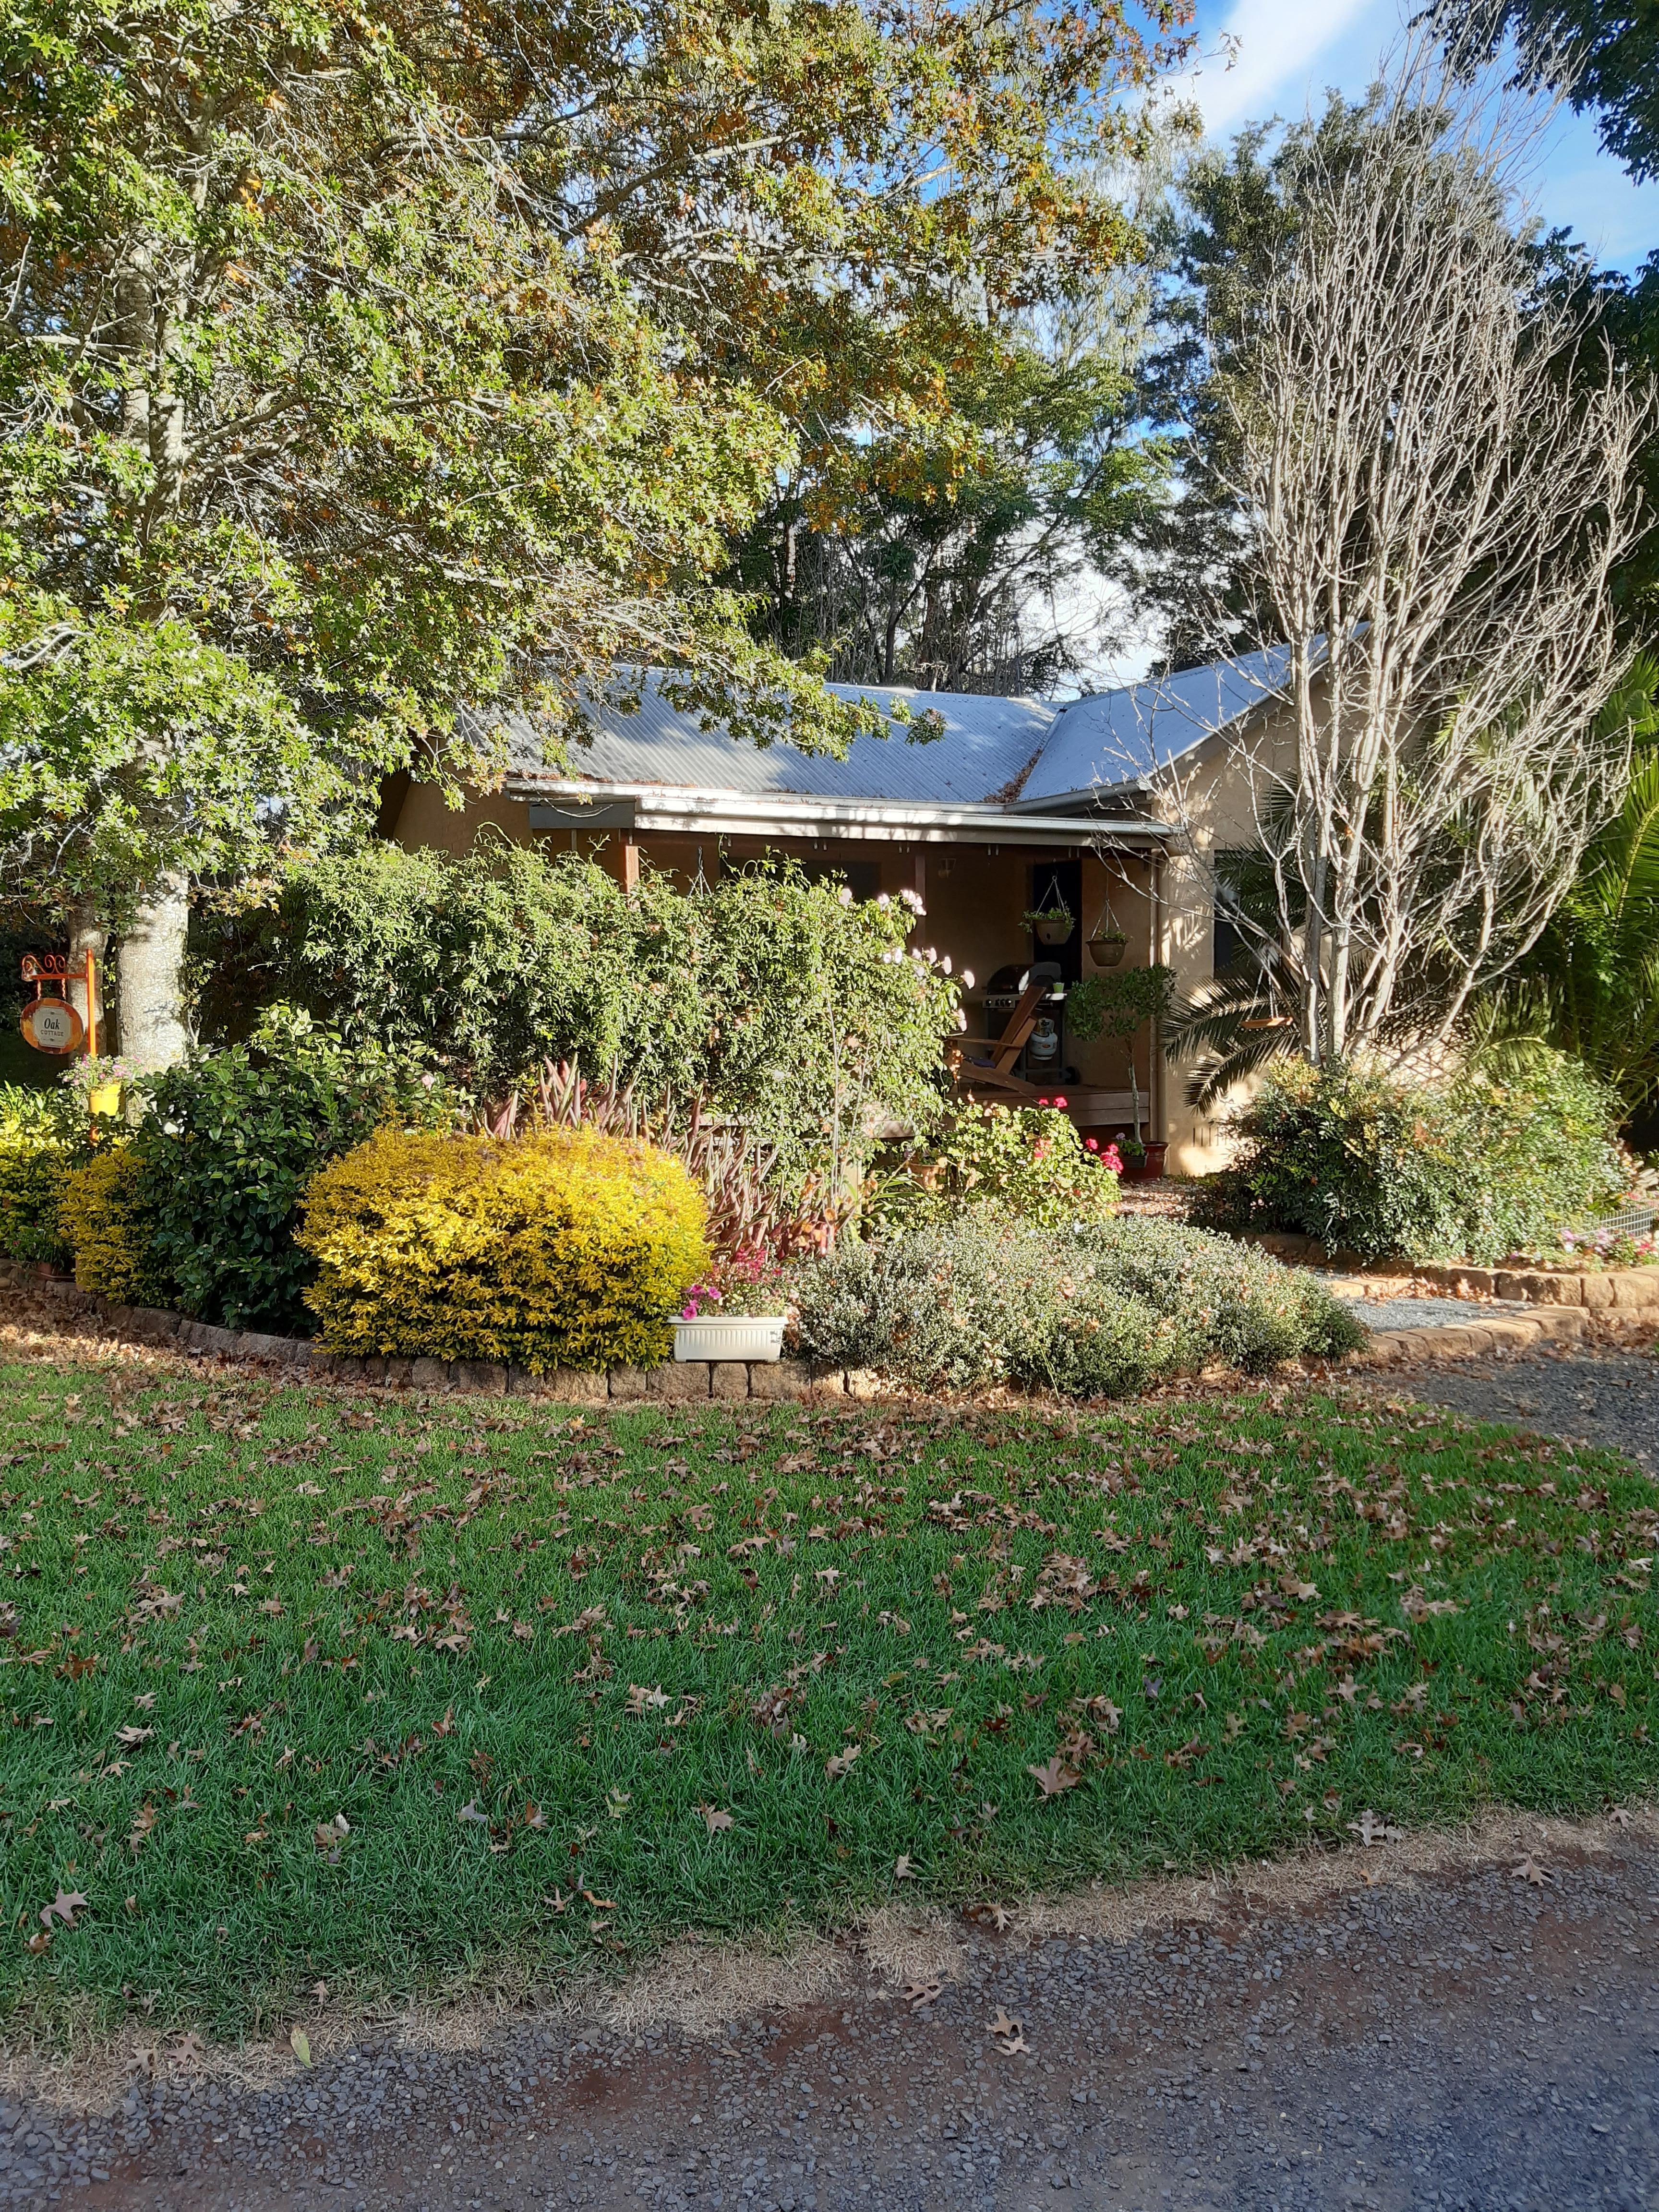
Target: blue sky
[1288, 50]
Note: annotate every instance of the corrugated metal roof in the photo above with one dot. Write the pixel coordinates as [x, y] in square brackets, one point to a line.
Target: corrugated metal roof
[995, 752]
[987, 745]
[1114, 737]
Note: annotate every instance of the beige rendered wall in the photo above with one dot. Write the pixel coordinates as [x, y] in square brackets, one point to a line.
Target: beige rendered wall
[1212, 803]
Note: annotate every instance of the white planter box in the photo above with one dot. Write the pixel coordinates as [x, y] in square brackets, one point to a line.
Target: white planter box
[730, 1336]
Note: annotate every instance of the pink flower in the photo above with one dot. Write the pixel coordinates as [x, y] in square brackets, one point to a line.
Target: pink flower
[1091, 1143]
[1059, 1103]
[1111, 1157]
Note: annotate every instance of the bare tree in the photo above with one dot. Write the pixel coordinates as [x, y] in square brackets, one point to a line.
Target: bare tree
[1434, 455]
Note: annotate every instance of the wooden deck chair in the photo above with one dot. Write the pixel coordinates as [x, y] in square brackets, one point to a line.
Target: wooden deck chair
[982, 1067]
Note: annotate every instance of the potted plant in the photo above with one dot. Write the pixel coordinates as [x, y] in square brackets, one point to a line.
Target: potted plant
[1052, 924]
[1108, 943]
[1120, 1007]
[738, 1313]
[97, 1080]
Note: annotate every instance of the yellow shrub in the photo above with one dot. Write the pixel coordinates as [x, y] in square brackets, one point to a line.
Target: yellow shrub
[108, 1225]
[565, 1248]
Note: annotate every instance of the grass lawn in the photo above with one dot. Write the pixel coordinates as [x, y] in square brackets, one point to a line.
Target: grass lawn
[387, 1694]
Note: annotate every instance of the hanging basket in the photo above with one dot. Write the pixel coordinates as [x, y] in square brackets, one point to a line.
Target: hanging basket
[1056, 931]
[1108, 946]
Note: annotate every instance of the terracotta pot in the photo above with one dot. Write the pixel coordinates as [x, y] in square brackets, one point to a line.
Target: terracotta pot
[1150, 1167]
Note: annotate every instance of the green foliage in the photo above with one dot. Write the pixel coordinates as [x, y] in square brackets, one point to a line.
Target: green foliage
[1495, 1160]
[1592, 983]
[1027, 1160]
[422, 381]
[1119, 1003]
[108, 1220]
[43, 1139]
[1092, 1310]
[228, 1145]
[769, 997]
[563, 1248]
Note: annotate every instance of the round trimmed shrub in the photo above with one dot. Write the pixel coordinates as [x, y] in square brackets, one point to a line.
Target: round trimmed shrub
[109, 1224]
[563, 1248]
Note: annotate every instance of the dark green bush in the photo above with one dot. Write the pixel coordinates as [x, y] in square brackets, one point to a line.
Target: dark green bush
[228, 1143]
[1492, 1161]
[43, 1140]
[1096, 1310]
[765, 994]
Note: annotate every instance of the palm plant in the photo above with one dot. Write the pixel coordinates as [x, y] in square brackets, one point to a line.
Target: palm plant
[1592, 983]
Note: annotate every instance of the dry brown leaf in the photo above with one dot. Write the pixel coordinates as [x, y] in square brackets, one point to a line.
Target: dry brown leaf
[1055, 1777]
[63, 1906]
[921, 1993]
[1002, 2024]
[714, 1819]
[1529, 1871]
[842, 1761]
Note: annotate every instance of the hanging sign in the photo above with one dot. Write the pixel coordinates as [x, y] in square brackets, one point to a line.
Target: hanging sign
[52, 1026]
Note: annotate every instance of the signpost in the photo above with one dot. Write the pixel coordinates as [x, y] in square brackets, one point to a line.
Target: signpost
[49, 1022]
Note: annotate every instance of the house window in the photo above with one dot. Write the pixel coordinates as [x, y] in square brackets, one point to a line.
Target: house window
[1231, 946]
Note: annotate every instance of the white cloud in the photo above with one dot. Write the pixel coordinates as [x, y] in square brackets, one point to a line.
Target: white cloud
[1277, 43]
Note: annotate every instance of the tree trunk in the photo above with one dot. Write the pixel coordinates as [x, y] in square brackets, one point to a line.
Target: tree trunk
[150, 963]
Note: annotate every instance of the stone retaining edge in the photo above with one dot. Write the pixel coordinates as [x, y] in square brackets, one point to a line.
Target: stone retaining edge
[677, 1380]
[1626, 1289]
[1396, 1347]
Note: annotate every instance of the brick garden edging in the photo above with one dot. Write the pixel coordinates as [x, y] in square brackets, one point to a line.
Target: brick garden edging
[1628, 1288]
[683, 1382]
[677, 1380]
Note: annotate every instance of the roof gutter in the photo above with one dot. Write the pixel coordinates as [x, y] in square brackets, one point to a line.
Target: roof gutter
[570, 802]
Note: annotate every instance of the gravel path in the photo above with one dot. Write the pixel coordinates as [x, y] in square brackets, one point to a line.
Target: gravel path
[1473, 2037]
[1589, 1393]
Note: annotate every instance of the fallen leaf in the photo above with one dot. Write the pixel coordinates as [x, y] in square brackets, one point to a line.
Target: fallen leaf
[300, 2043]
[714, 1819]
[38, 1942]
[921, 1993]
[469, 1812]
[1013, 2048]
[842, 1761]
[1002, 2024]
[903, 1870]
[1619, 1817]
[1055, 1777]
[65, 1905]
[1530, 1871]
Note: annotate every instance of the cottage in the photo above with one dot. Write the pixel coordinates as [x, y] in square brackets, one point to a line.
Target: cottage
[1110, 806]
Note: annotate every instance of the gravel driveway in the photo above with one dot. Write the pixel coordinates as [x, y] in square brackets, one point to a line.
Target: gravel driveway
[1464, 2035]
[1597, 1393]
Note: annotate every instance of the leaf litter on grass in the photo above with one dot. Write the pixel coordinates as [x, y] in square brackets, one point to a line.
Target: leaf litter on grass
[1346, 1614]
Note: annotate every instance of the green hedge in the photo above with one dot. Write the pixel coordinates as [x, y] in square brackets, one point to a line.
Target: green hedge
[1495, 1160]
[766, 994]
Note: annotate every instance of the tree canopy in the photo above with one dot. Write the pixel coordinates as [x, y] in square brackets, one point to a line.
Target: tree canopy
[368, 372]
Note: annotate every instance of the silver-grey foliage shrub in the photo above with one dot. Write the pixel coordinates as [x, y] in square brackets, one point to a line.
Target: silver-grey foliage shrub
[1100, 1309]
